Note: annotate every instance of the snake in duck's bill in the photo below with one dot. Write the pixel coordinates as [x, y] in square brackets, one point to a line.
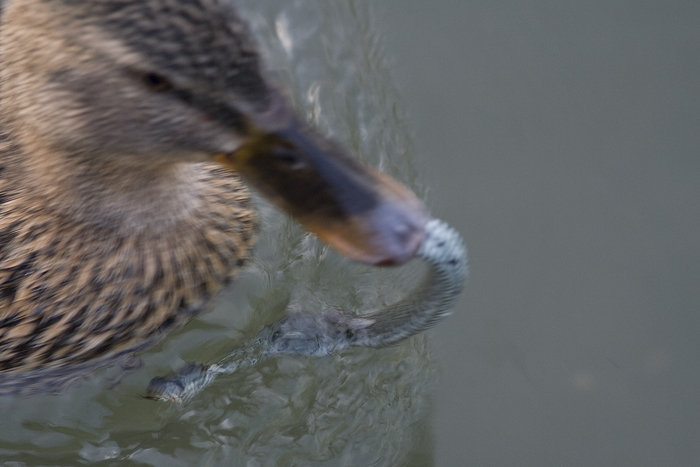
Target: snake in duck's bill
[320, 334]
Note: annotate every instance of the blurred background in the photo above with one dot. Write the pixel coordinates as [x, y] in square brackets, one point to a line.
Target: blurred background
[563, 140]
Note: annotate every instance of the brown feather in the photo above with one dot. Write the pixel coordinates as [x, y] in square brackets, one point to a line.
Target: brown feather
[114, 227]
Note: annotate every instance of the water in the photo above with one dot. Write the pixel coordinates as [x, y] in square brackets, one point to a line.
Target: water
[363, 407]
[561, 139]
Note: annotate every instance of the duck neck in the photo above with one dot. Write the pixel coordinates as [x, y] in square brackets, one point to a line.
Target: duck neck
[120, 193]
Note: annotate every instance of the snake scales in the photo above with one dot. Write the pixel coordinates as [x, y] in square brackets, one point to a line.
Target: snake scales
[319, 334]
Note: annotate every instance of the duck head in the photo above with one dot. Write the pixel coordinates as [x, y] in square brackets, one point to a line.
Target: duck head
[152, 83]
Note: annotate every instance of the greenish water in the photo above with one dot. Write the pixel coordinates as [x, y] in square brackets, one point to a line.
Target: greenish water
[363, 407]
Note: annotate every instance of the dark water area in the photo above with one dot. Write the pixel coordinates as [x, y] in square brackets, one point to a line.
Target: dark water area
[561, 139]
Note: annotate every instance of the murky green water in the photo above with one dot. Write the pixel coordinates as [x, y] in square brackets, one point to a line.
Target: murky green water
[364, 407]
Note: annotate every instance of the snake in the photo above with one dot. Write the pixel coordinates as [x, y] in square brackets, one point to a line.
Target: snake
[317, 334]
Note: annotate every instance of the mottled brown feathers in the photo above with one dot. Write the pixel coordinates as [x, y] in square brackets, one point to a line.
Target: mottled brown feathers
[70, 293]
[114, 227]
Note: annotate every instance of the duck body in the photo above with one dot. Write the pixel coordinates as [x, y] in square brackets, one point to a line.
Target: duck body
[76, 296]
[120, 214]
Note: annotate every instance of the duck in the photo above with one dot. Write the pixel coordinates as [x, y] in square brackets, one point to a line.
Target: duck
[130, 133]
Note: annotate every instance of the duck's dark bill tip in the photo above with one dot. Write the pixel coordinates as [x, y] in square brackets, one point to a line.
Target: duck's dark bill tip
[389, 235]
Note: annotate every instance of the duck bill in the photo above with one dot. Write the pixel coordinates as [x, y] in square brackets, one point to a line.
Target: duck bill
[363, 214]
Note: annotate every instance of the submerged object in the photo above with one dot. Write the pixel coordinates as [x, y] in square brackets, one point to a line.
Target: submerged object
[319, 334]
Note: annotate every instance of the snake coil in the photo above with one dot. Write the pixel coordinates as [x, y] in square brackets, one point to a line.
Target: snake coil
[319, 334]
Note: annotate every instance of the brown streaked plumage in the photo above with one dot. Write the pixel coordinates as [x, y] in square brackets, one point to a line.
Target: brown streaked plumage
[115, 223]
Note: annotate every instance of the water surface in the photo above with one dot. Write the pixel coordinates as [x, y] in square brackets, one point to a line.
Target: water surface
[561, 138]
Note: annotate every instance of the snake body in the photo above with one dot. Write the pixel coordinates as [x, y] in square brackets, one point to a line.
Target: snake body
[320, 334]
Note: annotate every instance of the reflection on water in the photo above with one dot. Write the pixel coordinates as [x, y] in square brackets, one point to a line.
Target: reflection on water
[364, 407]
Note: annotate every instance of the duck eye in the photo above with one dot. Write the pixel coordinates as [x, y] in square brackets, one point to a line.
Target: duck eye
[156, 82]
[288, 158]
